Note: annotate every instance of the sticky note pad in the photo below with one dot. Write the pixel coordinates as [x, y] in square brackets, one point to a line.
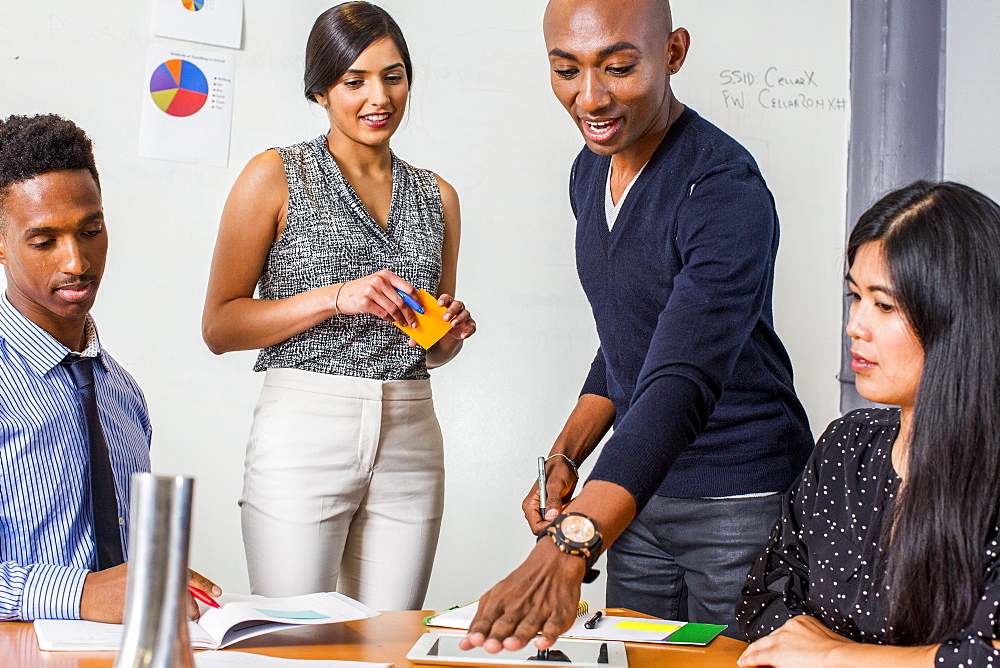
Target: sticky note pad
[430, 326]
[696, 634]
[658, 627]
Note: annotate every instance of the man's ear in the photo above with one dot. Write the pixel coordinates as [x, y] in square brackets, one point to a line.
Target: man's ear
[678, 44]
[3, 241]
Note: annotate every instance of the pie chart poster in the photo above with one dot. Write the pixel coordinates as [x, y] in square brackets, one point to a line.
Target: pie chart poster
[187, 111]
[218, 22]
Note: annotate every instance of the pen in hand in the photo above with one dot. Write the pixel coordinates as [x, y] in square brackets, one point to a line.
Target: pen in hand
[541, 487]
[411, 302]
[203, 597]
[593, 621]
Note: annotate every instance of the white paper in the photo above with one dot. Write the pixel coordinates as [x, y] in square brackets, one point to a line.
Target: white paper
[212, 631]
[69, 635]
[218, 22]
[459, 618]
[607, 629]
[187, 110]
[230, 659]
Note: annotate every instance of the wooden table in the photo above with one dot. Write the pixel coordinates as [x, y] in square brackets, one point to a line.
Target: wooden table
[386, 638]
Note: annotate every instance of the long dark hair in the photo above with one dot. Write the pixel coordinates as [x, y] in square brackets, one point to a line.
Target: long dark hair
[338, 37]
[941, 243]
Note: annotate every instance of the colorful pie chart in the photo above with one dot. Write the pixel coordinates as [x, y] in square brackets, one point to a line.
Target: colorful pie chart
[178, 87]
[193, 5]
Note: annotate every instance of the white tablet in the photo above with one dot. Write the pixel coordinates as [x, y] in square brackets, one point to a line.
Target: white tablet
[442, 649]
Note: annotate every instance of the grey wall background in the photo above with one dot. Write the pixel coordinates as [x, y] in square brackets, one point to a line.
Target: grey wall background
[898, 55]
[972, 95]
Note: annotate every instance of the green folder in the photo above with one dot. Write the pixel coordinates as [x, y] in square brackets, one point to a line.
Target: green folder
[695, 634]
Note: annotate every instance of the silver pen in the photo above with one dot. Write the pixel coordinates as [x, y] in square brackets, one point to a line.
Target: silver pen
[541, 486]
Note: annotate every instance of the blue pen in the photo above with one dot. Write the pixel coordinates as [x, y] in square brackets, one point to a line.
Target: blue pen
[411, 302]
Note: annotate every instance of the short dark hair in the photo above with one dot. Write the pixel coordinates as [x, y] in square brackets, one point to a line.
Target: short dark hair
[35, 145]
[338, 37]
[941, 244]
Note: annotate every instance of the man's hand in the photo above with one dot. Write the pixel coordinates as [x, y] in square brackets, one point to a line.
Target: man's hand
[199, 581]
[590, 420]
[103, 598]
[540, 596]
[560, 481]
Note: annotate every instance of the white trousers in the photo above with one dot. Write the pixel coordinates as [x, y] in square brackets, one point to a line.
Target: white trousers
[343, 488]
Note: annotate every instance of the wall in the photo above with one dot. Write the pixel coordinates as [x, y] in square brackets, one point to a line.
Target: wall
[482, 116]
[972, 95]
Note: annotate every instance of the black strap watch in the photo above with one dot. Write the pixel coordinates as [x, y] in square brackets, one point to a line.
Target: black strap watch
[577, 535]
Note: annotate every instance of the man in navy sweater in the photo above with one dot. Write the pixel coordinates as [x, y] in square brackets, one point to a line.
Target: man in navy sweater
[676, 240]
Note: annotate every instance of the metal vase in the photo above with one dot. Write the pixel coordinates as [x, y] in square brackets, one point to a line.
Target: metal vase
[156, 624]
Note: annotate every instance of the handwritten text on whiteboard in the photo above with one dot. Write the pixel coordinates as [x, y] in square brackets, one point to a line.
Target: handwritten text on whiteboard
[777, 89]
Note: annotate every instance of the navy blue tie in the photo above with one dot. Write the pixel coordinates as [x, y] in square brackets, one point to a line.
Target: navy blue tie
[102, 479]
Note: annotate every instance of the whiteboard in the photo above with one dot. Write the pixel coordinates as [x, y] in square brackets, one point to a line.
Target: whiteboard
[481, 115]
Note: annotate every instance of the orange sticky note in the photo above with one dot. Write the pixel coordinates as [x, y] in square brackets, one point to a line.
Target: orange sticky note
[430, 326]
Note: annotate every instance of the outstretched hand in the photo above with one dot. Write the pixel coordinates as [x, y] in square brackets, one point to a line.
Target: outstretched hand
[540, 596]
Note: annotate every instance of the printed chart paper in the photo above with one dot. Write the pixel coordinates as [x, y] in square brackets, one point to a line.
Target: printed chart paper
[187, 109]
[218, 22]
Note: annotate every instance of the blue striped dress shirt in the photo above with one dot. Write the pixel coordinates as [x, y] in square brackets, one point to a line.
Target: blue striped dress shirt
[46, 522]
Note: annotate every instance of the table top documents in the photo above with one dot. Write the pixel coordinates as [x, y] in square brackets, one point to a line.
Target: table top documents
[383, 639]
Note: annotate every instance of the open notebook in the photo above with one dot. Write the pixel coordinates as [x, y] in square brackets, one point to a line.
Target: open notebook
[239, 618]
[611, 627]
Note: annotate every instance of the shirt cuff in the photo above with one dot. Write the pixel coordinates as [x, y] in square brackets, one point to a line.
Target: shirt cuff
[52, 592]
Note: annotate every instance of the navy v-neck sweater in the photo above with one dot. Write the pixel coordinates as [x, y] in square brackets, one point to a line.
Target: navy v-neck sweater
[680, 289]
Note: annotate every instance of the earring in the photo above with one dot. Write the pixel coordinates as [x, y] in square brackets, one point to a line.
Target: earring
[673, 70]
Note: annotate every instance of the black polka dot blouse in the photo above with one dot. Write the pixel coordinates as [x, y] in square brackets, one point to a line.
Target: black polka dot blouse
[822, 555]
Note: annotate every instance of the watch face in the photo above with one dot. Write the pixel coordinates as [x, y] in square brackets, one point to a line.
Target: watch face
[578, 529]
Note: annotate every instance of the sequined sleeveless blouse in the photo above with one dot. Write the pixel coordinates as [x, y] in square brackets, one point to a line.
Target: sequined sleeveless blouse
[330, 237]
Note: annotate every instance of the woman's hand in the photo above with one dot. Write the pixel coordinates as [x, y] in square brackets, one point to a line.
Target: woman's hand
[462, 324]
[376, 294]
[800, 642]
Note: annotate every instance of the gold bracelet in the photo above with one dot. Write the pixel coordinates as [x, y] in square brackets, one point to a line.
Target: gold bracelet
[336, 298]
[570, 461]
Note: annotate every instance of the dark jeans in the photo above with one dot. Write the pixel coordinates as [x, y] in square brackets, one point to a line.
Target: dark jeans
[687, 559]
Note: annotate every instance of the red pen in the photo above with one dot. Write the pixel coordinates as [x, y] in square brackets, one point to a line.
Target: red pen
[203, 597]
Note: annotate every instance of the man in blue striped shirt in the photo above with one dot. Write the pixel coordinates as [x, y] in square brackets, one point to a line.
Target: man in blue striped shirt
[53, 246]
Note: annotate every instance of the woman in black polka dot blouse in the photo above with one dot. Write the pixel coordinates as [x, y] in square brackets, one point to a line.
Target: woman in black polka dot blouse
[887, 550]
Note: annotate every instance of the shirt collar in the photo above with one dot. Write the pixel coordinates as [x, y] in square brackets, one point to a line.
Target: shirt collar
[39, 348]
